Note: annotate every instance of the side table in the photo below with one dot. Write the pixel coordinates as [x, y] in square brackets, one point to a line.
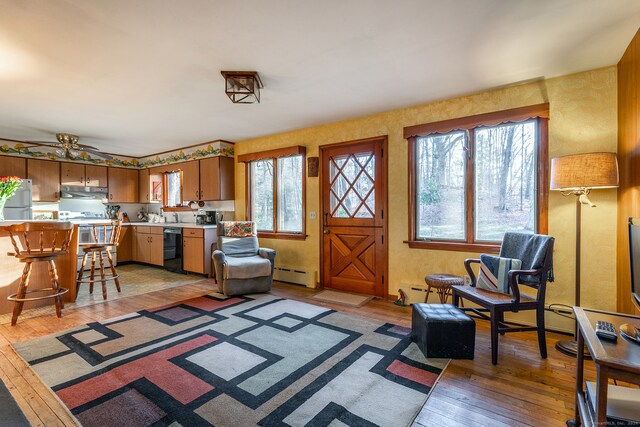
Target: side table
[617, 360]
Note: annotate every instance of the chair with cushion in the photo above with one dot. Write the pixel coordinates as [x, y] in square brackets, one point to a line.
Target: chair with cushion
[524, 259]
[241, 267]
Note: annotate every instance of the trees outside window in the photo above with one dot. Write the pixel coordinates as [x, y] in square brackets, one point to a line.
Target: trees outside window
[276, 192]
[473, 179]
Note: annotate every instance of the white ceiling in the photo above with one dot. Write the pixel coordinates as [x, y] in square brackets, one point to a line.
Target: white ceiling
[139, 77]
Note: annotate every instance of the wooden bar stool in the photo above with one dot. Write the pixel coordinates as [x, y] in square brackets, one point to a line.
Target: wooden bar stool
[104, 236]
[53, 239]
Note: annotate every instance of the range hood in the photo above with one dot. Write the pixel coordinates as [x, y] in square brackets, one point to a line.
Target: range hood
[86, 193]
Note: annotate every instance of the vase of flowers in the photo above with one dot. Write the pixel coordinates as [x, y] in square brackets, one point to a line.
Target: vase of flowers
[8, 187]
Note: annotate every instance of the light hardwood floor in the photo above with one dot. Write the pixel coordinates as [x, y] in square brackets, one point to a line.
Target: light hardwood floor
[522, 390]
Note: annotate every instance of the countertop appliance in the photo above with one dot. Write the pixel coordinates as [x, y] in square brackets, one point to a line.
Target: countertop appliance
[212, 217]
[173, 249]
[201, 219]
[20, 205]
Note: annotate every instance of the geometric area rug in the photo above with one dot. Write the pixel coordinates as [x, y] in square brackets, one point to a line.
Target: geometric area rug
[236, 361]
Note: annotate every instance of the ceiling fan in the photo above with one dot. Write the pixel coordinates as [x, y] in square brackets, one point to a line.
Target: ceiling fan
[68, 146]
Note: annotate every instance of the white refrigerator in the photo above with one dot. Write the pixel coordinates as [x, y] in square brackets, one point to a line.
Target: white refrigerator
[20, 205]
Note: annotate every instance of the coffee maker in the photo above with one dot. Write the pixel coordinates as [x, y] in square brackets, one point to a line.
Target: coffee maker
[212, 217]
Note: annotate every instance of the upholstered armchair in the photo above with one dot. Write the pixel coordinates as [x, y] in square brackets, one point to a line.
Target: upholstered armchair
[241, 267]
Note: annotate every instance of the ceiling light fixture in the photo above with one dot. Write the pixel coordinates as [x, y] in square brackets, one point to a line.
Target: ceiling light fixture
[242, 87]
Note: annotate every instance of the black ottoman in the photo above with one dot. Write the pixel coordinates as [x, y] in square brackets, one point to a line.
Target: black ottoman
[443, 331]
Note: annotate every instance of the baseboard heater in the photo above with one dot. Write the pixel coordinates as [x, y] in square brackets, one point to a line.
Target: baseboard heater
[293, 275]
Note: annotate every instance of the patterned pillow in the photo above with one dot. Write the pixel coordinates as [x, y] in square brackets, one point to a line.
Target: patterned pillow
[493, 273]
[239, 228]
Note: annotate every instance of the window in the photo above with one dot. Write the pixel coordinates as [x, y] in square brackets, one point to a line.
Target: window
[275, 191]
[475, 178]
[173, 186]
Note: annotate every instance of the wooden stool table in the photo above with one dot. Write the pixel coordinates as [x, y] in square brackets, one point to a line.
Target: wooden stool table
[442, 283]
[104, 236]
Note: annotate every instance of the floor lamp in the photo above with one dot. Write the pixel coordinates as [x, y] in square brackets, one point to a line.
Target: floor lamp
[577, 175]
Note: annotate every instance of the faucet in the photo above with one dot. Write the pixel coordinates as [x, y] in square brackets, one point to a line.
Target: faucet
[175, 217]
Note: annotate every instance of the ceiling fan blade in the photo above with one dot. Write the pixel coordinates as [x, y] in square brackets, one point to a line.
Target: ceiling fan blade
[84, 146]
[98, 153]
[42, 142]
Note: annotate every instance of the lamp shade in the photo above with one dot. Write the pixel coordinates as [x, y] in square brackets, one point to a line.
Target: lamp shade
[580, 171]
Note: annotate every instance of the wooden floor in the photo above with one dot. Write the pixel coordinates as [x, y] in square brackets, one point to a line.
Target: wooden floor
[522, 390]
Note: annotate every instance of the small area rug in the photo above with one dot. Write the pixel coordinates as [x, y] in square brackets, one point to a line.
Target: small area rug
[237, 361]
[10, 413]
[335, 297]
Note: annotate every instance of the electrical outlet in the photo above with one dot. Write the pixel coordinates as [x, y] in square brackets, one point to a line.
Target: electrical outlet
[312, 215]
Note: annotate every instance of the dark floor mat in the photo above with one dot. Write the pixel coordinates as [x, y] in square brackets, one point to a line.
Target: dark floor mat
[10, 413]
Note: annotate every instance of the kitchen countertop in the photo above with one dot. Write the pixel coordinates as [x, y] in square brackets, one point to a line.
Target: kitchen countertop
[171, 224]
[106, 221]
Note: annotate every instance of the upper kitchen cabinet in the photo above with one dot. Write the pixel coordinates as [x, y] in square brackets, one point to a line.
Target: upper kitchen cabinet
[190, 180]
[216, 178]
[144, 186]
[45, 175]
[83, 175]
[123, 185]
[96, 176]
[72, 173]
[13, 166]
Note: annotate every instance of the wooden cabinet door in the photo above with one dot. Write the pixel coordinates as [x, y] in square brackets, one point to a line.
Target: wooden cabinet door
[96, 176]
[126, 245]
[216, 178]
[13, 166]
[72, 173]
[46, 180]
[144, 186]
[190, 180]
[193, 254]
[123, 185]
[156, 249]
[142, 253]
[210, 178]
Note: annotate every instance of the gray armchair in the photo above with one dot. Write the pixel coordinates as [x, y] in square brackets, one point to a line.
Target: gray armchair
[240, 266]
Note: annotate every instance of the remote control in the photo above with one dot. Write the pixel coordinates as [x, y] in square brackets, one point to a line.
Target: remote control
[606, 330]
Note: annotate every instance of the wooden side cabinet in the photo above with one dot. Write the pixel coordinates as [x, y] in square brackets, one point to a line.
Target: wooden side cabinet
[45, 175]
[190, 180]
[196, 249]
[614, 360]
[217, 178]
[123, 185]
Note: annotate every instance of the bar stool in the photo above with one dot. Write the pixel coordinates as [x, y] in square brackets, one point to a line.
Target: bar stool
[53, 241]
[104, 236]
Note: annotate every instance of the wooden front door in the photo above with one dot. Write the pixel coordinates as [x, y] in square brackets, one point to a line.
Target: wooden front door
[354, 198]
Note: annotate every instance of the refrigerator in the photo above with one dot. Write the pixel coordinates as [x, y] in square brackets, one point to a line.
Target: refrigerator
[20, 205]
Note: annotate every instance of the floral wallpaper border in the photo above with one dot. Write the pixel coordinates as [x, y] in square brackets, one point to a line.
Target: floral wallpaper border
[207, 149]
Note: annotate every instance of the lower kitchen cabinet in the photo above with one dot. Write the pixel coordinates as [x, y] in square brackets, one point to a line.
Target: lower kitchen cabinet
[196, 249]
[149, 245]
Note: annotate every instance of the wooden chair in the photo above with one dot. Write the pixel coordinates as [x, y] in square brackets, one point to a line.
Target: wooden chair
[534, 273]
[53, 239]
[105, 236]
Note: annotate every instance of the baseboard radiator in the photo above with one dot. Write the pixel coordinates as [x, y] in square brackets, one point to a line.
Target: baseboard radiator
[294, 275]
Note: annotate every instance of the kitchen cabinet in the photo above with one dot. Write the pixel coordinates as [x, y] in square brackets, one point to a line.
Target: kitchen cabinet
[123, 185]
[148, 244]
[196, 249]
[217, 178]
[96, 176]
[13, 166]
[190, 180]
[144, 186]
[78, 174]
[45, 175]
[125, 245]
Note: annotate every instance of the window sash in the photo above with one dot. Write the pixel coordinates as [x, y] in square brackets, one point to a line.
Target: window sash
[279, 222]
[539, 114]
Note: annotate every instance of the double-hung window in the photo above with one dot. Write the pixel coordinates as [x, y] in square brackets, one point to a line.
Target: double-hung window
[276, 191]
[475, 178]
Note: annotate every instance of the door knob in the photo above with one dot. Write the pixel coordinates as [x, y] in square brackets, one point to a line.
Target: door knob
[326, 231]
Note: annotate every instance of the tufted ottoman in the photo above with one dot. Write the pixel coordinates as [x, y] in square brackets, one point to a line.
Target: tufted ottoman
[443, 331]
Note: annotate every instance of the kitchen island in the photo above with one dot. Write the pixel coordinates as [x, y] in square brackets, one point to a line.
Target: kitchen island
[11, 271]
